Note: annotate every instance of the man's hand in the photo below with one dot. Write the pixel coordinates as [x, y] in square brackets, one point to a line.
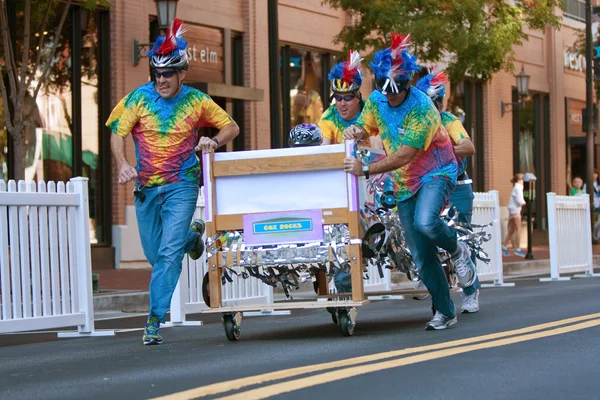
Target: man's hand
[206, 145]
[353, 166]
[126, 173]
[354, 132]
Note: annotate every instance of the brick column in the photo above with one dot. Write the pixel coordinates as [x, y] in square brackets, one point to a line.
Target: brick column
[256, 74]
[558, 142]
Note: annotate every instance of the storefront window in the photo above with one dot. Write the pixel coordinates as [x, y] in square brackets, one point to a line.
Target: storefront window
[64, 137]
[526, 156]
[468, 108]
[306, 82]
[3, 145]
[89, 118]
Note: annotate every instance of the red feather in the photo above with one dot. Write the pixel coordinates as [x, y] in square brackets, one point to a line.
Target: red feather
[170, 43]
[399, 43]
[439, 78]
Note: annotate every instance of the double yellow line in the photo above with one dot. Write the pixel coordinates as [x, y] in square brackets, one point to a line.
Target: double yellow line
[357, 365]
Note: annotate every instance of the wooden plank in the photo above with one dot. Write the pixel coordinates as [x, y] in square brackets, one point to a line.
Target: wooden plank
[38, 199]
[44, 255]
[54, 265]
[214, 280]
[355, 254]
[4, 257]
[234, 222]
[63, 255]
[234, 92]
[72, 242]
[34, 244]
[288, 305]
[309, 162]
[24, 250]
[15, 263]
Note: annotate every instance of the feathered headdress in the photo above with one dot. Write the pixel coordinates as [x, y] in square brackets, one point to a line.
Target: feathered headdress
[169, 47]
[434, 83]
[394, 67]
[345, 76]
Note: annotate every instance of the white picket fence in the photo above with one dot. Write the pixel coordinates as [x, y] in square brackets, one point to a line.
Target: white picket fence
[570, 236]
[187, 298]
[45, 260]
[486, 209]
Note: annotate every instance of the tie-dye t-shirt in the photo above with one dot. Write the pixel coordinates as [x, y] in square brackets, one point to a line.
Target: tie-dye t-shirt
[457, 131]
[416, 123]
[165, 131]
[332, 125]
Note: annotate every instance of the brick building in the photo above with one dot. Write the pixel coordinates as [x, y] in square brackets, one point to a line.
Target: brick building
[229, 45]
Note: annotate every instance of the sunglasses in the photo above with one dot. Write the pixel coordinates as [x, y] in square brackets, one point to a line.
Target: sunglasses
[346, 98]
[165, 74]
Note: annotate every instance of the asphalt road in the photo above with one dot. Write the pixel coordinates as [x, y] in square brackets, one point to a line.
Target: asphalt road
[533, 341]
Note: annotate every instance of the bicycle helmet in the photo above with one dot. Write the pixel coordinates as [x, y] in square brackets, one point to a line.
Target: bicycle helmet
[305, 135]
[345, 76]
[169, 50]
[433, 85]
[394, 67]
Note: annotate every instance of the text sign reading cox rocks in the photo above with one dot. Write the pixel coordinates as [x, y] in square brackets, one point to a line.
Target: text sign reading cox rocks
[283, 227]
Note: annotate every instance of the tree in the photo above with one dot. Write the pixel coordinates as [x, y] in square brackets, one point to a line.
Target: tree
[474, 37]
[27, 62]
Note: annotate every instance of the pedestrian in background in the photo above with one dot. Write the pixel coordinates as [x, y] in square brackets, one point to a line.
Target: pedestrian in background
[515, 203]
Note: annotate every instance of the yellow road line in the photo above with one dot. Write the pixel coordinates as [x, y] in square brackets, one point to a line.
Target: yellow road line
[326, 377]
[240, 383]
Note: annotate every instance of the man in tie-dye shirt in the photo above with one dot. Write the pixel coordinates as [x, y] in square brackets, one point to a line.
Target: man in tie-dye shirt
[434, 85]
[163, 117]
[422, 162]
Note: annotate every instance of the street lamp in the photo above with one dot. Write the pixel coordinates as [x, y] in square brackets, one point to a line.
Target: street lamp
[522, 91]
[166, 11]
[529, 195]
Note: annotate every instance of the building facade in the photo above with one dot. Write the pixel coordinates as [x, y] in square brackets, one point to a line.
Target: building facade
[230, 45]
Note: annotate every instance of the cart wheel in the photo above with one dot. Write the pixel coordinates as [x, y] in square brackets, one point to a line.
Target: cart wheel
[345, 324]
[231, 331]
[206, 290]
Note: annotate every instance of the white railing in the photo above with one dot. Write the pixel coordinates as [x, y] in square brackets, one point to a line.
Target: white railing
[45, 260]
[187, 298]
[569, 235]
[486, 209]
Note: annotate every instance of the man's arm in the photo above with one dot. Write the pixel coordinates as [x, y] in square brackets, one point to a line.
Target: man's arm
[464, 148]
[396, 160]
[392, 162]
[225, 135]
[126, 171]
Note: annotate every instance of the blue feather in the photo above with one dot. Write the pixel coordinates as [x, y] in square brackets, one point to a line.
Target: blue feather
[381, 64]
[156, 46]
[337, 71]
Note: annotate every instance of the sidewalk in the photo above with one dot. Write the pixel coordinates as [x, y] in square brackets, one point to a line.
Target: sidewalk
[126, 290]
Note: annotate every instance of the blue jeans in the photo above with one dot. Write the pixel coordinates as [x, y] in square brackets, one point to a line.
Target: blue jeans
[424, 232]
[462, 199]
[164, 218]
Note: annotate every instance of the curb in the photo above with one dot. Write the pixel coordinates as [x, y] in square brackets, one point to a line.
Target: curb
[134, 302]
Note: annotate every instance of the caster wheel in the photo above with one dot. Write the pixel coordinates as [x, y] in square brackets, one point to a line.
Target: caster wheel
[231, 331]
[346, 326]
[206, 290]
